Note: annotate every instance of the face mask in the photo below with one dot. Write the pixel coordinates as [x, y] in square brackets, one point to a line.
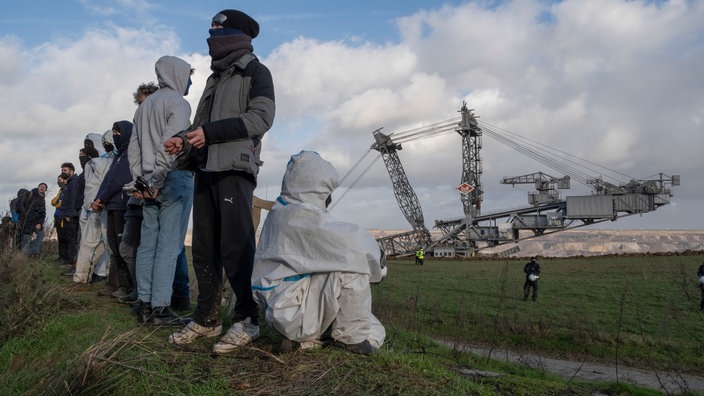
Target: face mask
[61, 184]
[108, 147]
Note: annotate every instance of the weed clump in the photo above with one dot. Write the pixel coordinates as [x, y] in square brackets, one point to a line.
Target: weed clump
[26, 298]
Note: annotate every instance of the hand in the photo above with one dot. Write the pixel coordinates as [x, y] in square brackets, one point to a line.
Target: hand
[196, 138]
[96, 205]
[138, 195]
[38, 227]
[174, 145]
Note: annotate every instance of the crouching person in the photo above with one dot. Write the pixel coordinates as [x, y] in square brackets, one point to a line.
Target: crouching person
[312, 272]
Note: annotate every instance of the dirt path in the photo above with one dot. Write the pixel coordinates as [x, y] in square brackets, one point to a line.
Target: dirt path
[670, 383]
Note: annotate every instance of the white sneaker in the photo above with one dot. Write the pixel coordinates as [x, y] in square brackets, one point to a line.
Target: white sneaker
[192, 332]
[241, 333]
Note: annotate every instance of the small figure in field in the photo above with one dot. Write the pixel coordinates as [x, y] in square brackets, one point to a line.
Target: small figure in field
[700, 276]
[532, 270]
[420, 255]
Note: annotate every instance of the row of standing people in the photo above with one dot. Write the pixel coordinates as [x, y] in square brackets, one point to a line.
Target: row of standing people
[212, 164]
[216, 175]
[23, 228]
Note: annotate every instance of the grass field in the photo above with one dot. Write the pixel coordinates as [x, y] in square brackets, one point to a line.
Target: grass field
[641, 311]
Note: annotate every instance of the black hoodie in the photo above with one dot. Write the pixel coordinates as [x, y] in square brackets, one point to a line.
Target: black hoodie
[110, 192]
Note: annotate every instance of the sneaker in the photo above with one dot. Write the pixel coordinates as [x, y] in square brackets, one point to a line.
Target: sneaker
[194, 331]
[142, 310]
[121, 292]
[164, 316]
[130, 299]
[240, 334]
[107, 290]
[69, 272]
[97, 278]
[363, 348]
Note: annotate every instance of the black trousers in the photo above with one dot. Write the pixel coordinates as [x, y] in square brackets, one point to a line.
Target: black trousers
[68, 236]
[118, 276]
[527, 286]
[223, 238]
[129, 242]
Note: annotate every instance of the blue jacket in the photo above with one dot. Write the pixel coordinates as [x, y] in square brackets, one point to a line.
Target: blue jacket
[70, 202]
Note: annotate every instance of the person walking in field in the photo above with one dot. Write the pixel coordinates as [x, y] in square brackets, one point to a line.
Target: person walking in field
[532, 270]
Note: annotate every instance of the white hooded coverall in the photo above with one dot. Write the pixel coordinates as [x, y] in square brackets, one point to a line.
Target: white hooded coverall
[311, 271]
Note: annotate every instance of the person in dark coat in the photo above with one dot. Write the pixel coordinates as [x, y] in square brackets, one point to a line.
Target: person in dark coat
[19, 214]
[34, 208]
[68, 213]
[112, 198]
[532, 271]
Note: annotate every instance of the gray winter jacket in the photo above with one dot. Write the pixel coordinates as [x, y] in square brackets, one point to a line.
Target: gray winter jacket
[236, 109]
[162, 115]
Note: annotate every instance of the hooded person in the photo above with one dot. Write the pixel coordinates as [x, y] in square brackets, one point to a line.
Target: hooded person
[224, 146]
[168, 199]
[33, 223]
[313, 272]
[112, 199]
[93, 253]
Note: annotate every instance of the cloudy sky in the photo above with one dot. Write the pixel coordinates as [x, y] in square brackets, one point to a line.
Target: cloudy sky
[618, 83]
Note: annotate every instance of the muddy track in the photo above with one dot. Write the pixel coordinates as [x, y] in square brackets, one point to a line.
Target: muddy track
[670, 383]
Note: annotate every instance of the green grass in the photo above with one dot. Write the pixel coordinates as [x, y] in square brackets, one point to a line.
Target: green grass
[642, 310]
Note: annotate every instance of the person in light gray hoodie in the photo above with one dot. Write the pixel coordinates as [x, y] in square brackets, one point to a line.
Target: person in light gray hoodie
[169, 196]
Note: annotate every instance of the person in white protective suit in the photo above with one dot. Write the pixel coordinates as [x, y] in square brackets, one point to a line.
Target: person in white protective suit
[312, 272]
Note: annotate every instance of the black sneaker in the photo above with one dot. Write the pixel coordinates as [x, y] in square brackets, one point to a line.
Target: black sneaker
[97, 278]
[69, 272]
[164, 316]
[130, 299]
[363, 348]
[142, 310]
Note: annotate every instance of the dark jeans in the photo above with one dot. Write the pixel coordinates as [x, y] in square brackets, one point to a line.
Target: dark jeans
[223, 237]
[118, 275]
[526, 289]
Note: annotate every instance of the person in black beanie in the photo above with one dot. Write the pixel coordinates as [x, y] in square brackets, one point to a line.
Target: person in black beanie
[223, 146]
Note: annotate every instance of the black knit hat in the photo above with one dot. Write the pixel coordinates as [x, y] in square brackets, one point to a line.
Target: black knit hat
[234, 19]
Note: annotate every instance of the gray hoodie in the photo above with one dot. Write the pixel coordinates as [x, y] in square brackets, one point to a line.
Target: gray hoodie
[162, 115]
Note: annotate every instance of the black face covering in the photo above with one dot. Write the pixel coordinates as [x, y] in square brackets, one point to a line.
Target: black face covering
[108, 147]
[84, 160]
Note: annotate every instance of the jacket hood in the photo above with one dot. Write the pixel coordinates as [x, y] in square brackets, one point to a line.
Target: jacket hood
[23, 193]
[122, 141]
[96, 140]
[309, 179]
[173, 72]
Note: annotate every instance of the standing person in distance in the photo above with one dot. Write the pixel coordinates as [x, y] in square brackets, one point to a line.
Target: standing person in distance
[223, 146]
[532, 270]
